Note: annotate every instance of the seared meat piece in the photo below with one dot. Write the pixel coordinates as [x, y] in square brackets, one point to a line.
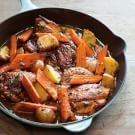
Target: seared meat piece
[88, 92]
[41, 26]
[10, 85]
[84, 107]
[76, 71]
[65, 55]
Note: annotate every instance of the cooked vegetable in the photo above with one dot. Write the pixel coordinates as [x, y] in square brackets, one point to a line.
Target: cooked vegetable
[48, 85]
[82, 79]
[91, 64]
[65, 108]
[30, 46]
[52, 74]
[42, 92]
[45, 115]
[89, 37]
[60, 37]
[13, 47]
[25, 35]
[81, 56]
[79, 41]
[4, 53]
[27, 84]
[22, 61]
[111, 65]
[39, 64]
[30, 107]
[47, 42]
[100, 60]
[20, 50]
[108, 81]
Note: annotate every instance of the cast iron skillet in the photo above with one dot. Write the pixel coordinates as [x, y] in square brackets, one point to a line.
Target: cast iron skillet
[65, 16]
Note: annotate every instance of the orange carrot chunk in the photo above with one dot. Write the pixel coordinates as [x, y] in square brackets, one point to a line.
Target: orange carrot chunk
[79, 41]
[83, 79]
[34, 96]
[22, 61]
[65, 108]
[25, 35]
[13, 47]
[74, 37]
[81, 56]
[30, 107]
[47, 84]
[100, 59]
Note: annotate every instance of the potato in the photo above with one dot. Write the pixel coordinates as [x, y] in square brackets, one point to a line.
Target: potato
[89, 37]
[47, 42]
[46, 115]
[42, 92]
[91, 64]
[39, 64]
[4, 53]
[108, 81]
[52, 74]
[111, 65]
[20, 50]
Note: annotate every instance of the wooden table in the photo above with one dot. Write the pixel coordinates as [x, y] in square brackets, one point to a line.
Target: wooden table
[119, 16]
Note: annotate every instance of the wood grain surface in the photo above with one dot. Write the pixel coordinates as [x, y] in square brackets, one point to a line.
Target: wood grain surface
[119, 16]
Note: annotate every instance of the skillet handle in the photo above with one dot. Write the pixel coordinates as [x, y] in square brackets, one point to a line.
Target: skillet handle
[27, 5]
[79, 126]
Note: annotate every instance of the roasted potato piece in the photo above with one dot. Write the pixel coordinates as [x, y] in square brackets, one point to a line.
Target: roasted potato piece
[47, 42]
[39, 64]
[46, 115]
[52, 74]
[42, 92]
[111, 65]
[20, 50]
[89, 37]
[108, 81]
[91, 64]
[4, 53]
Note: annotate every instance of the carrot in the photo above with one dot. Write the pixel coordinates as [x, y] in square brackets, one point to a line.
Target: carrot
[13, 47]
[81, 56]
[30, 107]
[47, 84]
[5, 68]
[65, 108]
[34, 96]
[79, 41]
[25, 35]
[100, 59]
[74, 37]
[22, 61]
[60, 37]
[82, 79]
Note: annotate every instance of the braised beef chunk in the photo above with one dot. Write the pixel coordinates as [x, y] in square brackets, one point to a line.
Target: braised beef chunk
[88, 92]
[65, 55]
[10, 85]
